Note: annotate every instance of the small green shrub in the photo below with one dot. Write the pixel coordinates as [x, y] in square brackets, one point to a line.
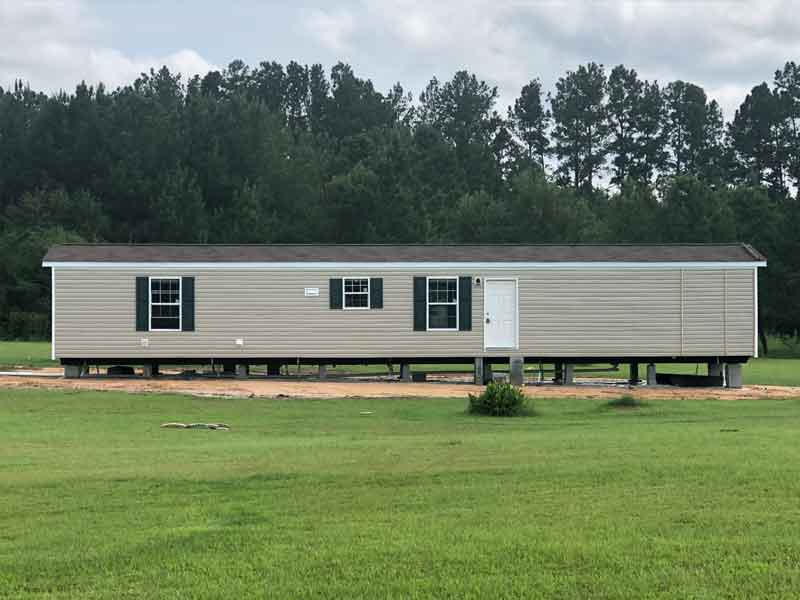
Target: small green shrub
[625, 401]
[499, 400]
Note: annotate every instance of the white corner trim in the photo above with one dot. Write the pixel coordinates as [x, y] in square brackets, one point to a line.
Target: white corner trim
[52, 313]
[755, 313]
[391, 266]
[683, 309]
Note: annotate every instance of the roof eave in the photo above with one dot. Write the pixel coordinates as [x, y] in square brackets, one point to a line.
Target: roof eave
[312, 265]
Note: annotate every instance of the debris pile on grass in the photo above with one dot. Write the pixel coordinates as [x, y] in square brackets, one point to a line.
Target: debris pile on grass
[175, 425]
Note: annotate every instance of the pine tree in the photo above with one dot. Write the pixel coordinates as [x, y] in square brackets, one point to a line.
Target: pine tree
[756, 135]
[580, 126]
[530, 120]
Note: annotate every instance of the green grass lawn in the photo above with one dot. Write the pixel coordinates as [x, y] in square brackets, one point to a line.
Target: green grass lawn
[25, 354]
[312, 499]
[780, 369]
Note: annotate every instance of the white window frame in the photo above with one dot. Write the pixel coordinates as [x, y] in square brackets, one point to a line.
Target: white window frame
[428, 303]
[345, 293]
[150, 302]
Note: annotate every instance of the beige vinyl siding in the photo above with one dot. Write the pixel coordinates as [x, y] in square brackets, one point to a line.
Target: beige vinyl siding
[563, 312]
[719, 312]
[625, 312]
[704, 305]
[740, 327]
[267, 309]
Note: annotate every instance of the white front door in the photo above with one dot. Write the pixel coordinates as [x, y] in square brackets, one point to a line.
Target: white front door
[500, 313]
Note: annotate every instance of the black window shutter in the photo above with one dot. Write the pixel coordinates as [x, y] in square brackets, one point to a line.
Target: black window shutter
[187, 303]
[335, 288]
[465, 303]
[142, 304]
[420, 304]
[376, 292]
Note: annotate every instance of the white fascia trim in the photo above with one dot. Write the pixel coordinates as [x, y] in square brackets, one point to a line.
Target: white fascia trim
[388, 266]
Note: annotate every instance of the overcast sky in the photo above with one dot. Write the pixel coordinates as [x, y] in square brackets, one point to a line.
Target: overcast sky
[727, 47]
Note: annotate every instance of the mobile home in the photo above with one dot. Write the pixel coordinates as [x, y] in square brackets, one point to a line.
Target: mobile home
[241, 305]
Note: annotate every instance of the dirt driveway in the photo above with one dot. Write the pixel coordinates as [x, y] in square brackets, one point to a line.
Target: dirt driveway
[372, 388]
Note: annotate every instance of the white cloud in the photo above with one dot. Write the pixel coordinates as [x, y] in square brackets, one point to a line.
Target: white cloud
[727, 47]
[55, 44]
[114, 68]
[332, 29]
[729, 97]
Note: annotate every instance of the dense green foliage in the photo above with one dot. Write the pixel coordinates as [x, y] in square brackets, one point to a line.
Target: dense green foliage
[310, 499]
[498, 399]
[294, 154]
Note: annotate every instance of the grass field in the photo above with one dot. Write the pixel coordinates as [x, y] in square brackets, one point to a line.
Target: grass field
[312, 499]
[25, 354]
[782, 368]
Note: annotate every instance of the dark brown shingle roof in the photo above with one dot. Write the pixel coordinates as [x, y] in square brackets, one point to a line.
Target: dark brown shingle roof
[402, 253]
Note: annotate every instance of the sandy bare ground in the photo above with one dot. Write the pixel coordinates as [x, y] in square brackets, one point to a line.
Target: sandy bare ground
[372, 388]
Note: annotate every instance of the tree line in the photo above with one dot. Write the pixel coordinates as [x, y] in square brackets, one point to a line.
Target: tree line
[293, 153]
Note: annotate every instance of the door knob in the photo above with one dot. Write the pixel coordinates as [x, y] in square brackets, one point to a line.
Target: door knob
[488, 320]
